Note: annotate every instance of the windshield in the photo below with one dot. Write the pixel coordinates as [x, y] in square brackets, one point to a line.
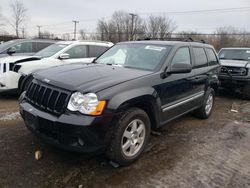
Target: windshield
[235, 54]
[138, 56]
[50, 50]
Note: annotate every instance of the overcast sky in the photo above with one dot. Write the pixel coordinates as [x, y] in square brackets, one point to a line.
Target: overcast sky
[54, 12]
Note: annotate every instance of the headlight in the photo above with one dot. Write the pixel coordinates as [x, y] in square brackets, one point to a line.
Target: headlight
[86, 103]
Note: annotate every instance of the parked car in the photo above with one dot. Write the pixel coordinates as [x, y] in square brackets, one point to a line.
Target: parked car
[23, 46]
[60, 53]
[235, 72]
[113, 104]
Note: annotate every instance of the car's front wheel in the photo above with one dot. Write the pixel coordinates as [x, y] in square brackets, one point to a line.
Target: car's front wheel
[131, 134]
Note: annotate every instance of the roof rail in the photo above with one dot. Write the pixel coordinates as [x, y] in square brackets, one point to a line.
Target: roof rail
[188, 39]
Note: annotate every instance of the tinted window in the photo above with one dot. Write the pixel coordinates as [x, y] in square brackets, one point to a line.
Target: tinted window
[25, 47]
[182, 56]
[77, 52]
[200, 57]
[95, 51]
[212, 59]
[37, 46]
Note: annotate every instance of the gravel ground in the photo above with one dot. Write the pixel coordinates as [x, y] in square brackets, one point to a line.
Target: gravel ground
[187, 152]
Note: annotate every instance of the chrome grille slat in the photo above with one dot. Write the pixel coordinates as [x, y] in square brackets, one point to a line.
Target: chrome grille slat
[47, 97]
[235, 71]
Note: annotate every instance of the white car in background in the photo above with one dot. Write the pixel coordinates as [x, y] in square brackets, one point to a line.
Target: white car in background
[60, 53]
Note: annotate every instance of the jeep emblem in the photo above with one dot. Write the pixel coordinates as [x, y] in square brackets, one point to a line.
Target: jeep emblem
[46, 80]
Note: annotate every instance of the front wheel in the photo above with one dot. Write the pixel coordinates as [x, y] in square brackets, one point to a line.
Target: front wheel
[207, 106]
[131, 134]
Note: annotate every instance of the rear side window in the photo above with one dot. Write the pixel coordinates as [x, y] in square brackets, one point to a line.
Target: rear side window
[95, 51]
[37, 46]
[200, 57]
[212, 59]
[77, 52]
[182, 56]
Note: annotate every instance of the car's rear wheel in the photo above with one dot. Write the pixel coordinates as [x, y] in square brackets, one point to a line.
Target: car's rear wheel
[207, 106]
[246, 91]
[131, 134]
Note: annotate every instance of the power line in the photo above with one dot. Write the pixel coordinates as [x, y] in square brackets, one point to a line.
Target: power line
[202, 11]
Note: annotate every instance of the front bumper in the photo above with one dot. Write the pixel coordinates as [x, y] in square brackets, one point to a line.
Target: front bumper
[9, 81]
[233, 81]
[74, 132]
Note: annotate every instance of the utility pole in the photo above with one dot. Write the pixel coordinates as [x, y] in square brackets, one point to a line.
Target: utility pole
[39, 31]
[75, 22]
[22, 32]
[132, 25]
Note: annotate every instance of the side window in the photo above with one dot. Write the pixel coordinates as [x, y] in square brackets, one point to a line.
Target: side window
[200, 57]
[182, 56]
[25, 47]
[37, 46]
[212, 59]
[95, 51]
[77, 52]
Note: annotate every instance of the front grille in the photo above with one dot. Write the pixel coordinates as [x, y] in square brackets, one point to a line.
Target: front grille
[234, 71]
[47, 98]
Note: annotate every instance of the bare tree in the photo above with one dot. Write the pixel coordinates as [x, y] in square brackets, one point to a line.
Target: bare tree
[119, 27]
[46, 35]
[120, 20]
[66, 36]
[18, 15]
[2, 21]
[82, 34]
[160, 27]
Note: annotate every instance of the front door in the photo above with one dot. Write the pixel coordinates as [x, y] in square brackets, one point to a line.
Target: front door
[177, 90]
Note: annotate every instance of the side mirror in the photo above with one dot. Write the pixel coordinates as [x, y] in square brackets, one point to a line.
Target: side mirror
[11, 51]
[63, 56]
[180, 68]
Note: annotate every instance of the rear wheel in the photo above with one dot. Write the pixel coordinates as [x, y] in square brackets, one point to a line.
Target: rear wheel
[131, 135]
[246, 91]
[207, 107]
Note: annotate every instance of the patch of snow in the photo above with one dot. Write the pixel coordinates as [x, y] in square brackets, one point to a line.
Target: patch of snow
[10, 116]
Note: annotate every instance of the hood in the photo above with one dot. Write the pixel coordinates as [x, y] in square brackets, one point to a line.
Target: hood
[88, 77]
[34, 65]
[13, 59]
[233, 63]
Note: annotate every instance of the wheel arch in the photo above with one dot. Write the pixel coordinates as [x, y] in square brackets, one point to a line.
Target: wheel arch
[144, 98]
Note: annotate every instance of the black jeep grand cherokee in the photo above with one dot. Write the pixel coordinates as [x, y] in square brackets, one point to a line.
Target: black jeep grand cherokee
[112, 104]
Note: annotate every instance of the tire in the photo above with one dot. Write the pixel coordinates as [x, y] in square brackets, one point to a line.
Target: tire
[246, 92]
[131, 132]
[207, 106]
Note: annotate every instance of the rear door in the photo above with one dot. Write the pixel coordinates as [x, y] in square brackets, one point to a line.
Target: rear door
[201, 70]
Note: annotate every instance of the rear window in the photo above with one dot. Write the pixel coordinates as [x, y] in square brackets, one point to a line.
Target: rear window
[212, 59]
[200, 57]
